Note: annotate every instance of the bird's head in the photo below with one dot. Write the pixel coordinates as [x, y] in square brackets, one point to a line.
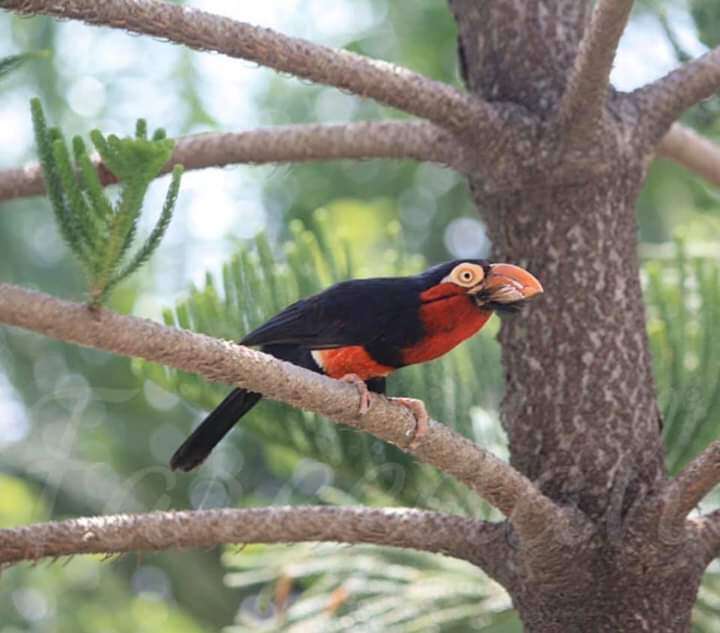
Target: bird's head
[491, 286]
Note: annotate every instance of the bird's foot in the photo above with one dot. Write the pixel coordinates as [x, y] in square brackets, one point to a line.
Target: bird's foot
[422, 419]
[354, 379]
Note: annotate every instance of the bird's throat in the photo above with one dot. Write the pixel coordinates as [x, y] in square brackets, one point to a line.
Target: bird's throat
[447, 323]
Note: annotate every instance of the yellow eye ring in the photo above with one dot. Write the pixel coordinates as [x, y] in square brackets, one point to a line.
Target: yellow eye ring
[466, 275]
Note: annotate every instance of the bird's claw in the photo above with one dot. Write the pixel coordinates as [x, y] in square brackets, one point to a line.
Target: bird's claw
[354, 379]
[416, 407]
[422, 419]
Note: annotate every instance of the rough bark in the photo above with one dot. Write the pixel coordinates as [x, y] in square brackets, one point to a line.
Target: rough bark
[586, 337]
[689, 488]
[461, 537]
[417, 140]
[583, 102]
[708, 527]
[580, 404]
[664, 100]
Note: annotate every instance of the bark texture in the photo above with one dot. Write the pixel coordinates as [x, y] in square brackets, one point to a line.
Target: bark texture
[417, 140]
[426, 531]
[580, 396]
[580, 406]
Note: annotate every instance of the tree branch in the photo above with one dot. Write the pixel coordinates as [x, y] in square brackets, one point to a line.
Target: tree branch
[663, 101]
[469, 539]
[708, 527]
[584, 99]
[684, 492]
[221, 361]
[416, 140]
[694, 152]
[389, 84]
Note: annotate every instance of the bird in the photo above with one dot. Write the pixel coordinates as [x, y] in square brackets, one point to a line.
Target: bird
[362, 330]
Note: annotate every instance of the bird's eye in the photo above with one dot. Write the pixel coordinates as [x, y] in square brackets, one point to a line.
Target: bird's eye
[467, 275]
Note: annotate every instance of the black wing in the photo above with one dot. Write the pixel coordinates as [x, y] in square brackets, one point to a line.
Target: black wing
[357, 312]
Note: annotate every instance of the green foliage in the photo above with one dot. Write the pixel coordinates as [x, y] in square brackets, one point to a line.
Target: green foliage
[99, 233]
[706, 614]
[17, 505]
[72, 591]
[84, 598]
[333, 589]
[256, 284]
[706, 14]
[684, 318]
[13, 62]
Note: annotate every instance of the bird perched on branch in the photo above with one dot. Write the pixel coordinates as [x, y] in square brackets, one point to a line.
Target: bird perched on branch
[362, 330]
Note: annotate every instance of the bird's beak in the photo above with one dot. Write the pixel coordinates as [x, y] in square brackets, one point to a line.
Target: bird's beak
[507, 284]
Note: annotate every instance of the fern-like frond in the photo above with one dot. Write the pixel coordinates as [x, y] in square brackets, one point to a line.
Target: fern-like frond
[12, 63]
[98, 232]
[339, 589]
[684, 318]
[46, 139]
[78, 207]
[93, 190]
[155, 237]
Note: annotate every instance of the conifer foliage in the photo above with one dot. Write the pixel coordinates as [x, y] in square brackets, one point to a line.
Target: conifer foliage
[13, 62]
[99, 232]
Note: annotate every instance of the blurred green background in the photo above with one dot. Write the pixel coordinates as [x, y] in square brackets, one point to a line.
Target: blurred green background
[83, 432]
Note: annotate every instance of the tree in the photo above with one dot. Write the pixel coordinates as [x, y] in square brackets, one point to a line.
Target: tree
[596, 536]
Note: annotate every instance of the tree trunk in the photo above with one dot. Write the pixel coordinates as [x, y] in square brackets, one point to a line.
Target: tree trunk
[623, 602]
[580, 406]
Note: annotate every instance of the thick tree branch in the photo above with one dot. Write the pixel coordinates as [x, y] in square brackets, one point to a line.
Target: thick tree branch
[469, 539]
[389, 84]
[694, 152]
[663, 101]
[586, 92]
[416, 140]
[684, 492]
[221, 361]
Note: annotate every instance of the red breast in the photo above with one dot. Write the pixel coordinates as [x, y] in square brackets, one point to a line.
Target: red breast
[447, 322]
[350, 360]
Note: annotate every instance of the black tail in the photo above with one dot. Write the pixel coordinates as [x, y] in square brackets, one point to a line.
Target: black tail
[212, 429]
